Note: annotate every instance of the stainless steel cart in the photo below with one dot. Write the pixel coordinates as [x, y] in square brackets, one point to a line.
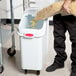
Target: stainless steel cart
[11, 51]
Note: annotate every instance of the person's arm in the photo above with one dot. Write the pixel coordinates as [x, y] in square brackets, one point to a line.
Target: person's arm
[66, 5]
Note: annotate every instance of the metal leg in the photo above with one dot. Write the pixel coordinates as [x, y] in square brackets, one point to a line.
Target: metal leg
[11, 51]
[23, 5]
[12, 24]
[0, 44]
[1, 62]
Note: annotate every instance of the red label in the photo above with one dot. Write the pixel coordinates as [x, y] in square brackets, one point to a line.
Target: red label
[29, 35]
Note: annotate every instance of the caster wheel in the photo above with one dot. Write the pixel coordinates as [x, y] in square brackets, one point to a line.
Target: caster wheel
[38, 73]
[25, 71]
[1, 69]
[4, 23]
[11, 53]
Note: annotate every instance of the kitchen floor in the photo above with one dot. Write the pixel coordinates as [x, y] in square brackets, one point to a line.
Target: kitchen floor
[12, 64]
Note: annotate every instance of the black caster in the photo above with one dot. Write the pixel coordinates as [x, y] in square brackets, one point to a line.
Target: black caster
[10, 52]
[25, 71]
[1, 69]
[38, 73]
[4, 23]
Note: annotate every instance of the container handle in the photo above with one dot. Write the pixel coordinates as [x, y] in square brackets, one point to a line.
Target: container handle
[27, 35]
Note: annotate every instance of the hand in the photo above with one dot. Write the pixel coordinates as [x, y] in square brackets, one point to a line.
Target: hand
[65, 6]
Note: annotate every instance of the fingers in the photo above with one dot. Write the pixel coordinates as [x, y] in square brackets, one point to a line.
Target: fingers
[33, 23]
[66, 8]
[66, 5]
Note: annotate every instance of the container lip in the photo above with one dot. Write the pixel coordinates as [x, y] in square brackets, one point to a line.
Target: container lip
[33, 9]
[36, 8]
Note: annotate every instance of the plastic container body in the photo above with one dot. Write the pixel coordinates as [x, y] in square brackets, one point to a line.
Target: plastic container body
[34, 41]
